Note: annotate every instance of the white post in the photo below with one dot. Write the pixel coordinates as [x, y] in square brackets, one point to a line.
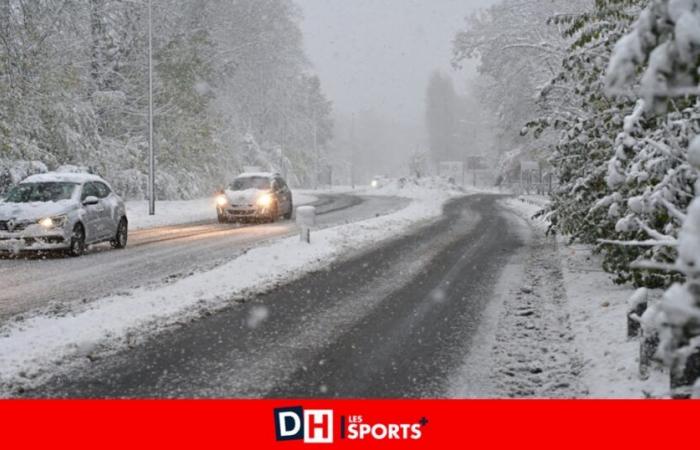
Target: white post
[306, 218]
[151, 154]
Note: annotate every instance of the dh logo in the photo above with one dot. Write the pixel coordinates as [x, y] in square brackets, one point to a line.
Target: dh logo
[314, 426]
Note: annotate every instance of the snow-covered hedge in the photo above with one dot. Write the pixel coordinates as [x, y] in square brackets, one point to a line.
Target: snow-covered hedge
[665, 41]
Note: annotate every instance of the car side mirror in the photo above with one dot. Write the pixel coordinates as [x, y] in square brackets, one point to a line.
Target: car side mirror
[90, 200]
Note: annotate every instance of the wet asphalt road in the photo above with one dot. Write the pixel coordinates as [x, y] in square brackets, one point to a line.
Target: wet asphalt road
[154, 256]
[392, 322]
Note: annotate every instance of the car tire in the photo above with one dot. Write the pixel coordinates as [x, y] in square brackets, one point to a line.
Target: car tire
[288, 214]
[221, 218]
[122, 235]
[77, 241]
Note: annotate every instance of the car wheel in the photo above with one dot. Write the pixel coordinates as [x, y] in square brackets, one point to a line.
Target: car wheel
[221, 218]
[122, 236]
[77, 241]
[288, 214]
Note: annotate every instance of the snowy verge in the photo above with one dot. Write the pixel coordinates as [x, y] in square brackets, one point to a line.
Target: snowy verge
[32, 350]
[524, 345]
[178, 212]
[598, 309]
[598, 312]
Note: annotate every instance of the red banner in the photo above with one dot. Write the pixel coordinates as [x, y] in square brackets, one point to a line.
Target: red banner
[280, 424]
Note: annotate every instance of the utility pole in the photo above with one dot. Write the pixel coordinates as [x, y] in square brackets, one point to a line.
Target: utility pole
[151, 154]
[352, 151]
[316, 165]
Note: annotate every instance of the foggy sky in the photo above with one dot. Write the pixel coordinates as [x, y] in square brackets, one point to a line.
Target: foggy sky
[378, 54]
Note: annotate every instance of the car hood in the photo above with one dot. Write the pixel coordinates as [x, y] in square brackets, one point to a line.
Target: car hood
[248, 196]
[34, 210]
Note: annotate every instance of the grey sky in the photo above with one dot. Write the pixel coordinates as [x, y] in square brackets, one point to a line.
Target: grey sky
[378, 54]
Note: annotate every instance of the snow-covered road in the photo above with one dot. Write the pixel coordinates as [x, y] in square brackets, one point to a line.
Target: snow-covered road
[398, 320]
[155, 256]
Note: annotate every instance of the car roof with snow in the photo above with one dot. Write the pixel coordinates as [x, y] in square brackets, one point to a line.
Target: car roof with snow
[257, 175]
[67, 177]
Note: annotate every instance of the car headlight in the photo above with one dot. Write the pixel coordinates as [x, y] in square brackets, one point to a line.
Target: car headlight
[375, 183]
[221, 200]
[265, 200]
[53, 222]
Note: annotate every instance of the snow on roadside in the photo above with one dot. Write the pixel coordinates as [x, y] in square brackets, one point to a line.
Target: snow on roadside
[173, 212]
[31, 350]
[524, 346]
[188, 211]
[598, 309]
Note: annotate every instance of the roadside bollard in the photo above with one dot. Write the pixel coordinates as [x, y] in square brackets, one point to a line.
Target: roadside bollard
[306, 218]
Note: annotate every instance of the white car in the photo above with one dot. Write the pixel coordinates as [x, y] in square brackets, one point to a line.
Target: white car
[255, 196]
[61, 211]
[378, 181]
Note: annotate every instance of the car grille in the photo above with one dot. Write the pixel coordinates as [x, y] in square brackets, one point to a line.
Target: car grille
[242, 212]
[19, 226]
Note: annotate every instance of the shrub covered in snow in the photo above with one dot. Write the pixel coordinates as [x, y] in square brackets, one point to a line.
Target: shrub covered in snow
[650, 180]
[666, 42]
[622, 173]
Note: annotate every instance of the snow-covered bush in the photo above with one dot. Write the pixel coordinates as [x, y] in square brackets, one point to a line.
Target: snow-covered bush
[650, 180]
[666, 41]
[619, 171]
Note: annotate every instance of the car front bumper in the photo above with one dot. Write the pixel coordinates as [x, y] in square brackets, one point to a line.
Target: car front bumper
[245, 212]
[34, 238]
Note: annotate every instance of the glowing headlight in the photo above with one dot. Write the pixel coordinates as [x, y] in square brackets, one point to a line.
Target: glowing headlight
[53, 222]
[221, 200]
[265, 200]
[375, 183]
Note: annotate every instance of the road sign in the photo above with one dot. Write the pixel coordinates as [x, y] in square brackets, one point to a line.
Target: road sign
[529, 166]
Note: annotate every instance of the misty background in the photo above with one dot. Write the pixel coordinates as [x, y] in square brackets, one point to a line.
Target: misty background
[375, 59]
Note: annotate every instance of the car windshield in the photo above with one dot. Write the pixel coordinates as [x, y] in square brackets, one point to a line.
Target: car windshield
[241, 184]
[41, 192]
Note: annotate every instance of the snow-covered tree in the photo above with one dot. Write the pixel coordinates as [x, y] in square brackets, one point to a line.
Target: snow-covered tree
[74, 89]
[519, 50]
[582, 122]
[442, 118]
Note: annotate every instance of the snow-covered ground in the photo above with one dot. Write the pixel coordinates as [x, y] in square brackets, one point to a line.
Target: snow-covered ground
[31, 349]
[525, 343]
[189, 211]
[596, 309]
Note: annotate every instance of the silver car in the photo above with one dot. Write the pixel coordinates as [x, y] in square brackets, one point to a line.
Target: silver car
[61, 211]
[255, 196]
